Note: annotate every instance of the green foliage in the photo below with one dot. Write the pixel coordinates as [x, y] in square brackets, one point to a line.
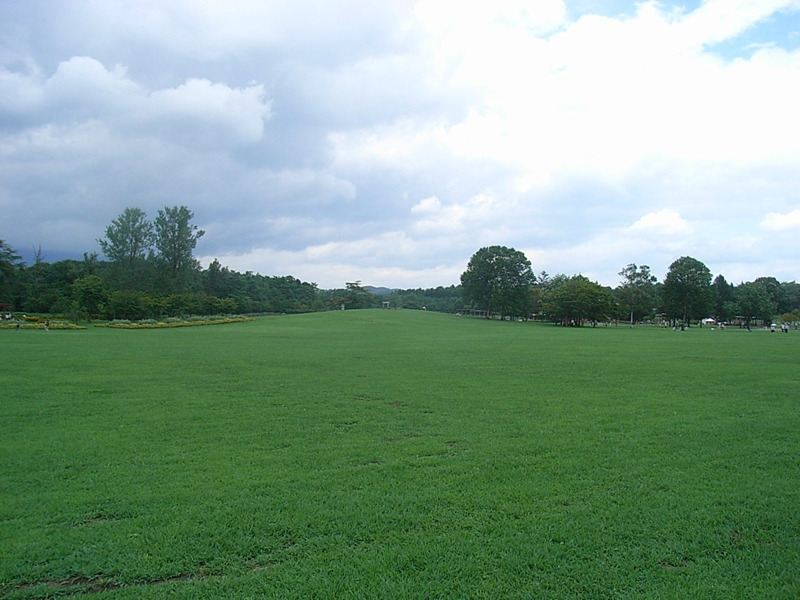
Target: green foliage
[498, 279]
[577, 299]
[90, 295]
[754, 301]
[442, 299]
[791, 295]
[129, 238]
[175, 240]
[777, 293]
[399, 454]
[637, 293]
[216, 279]
[687, 292]
[357, 297]
[10, 264]
[138, 283]
[128, 243]
[723, 298]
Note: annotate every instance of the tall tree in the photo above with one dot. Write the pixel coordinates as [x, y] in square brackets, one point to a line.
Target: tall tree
[11, 266]
[687, 290]
[175, 240]
[216, 279]
[128, 238]
[637, 291]
[723, 298]
[128, 242]
[499, 279]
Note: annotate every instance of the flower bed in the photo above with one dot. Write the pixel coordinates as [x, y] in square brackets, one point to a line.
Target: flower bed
[173, 322]
[36, 324]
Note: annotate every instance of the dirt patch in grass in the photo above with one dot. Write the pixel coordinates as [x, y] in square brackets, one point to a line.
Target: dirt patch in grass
[99, 584]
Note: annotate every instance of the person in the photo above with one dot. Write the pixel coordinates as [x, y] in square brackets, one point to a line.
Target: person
[785, 328]
[47, 325]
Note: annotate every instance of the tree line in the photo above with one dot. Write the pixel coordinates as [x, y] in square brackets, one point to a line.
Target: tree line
[499, 281]
[149, 271]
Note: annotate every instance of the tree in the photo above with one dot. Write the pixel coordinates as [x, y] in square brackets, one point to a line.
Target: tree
[777, 293]
[499, 279]
[89, 295]
[10, 266]
[357, 296]
[128, 242]
[542, 279]
[578, 299]
[175, 240]
[216, 279]
[753, 301]
[128, 238]
[687, 290]
[723, 298]
[638, 291]
[442, 299]
[791, 291]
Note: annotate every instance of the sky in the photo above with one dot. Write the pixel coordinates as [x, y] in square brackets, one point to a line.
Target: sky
[386, 142]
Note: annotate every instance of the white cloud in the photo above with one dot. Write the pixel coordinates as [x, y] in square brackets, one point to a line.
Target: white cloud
[200, 103]
[602, 94]
[718, 20]
[18, 92]
[404, 144]
[82, 89]
[666, 221]
[781, 221]
[470, 221]
[427, 206]
[86, 88]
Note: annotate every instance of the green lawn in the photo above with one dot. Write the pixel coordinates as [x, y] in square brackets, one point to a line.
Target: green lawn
[399, 454]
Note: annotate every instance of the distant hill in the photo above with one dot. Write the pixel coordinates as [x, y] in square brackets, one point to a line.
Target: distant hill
[378, 291]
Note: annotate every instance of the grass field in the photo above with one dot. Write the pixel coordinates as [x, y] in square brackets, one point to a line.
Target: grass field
[399, 454]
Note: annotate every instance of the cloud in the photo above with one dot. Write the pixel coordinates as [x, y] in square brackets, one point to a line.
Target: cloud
[781, 221]
[82, 87]
[342, 141]
[665, 221]
[605, 93]
[200, 104]
[82, 90]
[715, 21]
[456, 218]
[335, 263]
